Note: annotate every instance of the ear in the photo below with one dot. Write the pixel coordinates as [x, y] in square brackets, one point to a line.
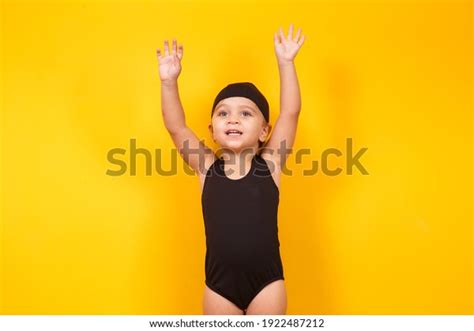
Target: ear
[265, 132]
[211, 131]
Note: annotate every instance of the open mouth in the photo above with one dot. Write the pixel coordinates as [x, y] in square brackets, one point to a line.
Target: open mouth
[233, 132]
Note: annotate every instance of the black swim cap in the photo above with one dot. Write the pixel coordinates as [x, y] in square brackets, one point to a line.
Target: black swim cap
[246, 90]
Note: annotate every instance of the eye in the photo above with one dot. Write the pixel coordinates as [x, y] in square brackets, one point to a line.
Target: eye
[220, 113]
[246, 113]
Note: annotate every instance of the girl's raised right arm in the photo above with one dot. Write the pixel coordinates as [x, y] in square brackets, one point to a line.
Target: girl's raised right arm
[193, 151]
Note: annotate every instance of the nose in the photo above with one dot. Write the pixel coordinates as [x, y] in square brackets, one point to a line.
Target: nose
[233, 119]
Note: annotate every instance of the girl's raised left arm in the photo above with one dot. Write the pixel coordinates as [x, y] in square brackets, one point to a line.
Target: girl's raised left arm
[281, 141]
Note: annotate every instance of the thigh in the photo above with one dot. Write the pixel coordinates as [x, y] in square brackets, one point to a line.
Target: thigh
[271, 300]
[216, 304]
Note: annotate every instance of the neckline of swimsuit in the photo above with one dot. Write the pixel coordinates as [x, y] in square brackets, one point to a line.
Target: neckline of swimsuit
[252, 163]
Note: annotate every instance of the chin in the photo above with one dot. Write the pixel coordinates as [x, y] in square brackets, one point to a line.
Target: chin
[236, 146]
[233, 147]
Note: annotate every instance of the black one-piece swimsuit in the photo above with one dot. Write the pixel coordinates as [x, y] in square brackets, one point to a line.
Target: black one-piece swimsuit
[242, 246]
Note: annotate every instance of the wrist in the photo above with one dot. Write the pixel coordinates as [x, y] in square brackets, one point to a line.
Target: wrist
[284, 63]
[169, 82]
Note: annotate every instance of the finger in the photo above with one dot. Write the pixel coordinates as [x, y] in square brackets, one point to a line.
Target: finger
[301, 41]
[282, 37]
[173, 49]
[290, 32]
[297, 35]
[180, 51]
[276, 38]
[167, 53]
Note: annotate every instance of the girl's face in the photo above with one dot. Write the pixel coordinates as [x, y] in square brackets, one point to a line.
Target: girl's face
[237, 123]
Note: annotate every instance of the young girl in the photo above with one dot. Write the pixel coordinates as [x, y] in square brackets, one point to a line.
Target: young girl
[240, 188]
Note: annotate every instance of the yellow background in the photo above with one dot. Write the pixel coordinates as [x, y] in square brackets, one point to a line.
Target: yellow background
[81, 77]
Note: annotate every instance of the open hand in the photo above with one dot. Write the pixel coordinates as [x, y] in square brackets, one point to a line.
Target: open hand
[170, 64]
[287, 48]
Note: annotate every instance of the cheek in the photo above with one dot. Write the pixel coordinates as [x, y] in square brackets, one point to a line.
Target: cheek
[218, 127]
[257, 127]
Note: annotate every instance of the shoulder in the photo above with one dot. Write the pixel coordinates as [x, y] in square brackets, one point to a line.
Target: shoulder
[273, 166]
[209, 160]
[272, 160]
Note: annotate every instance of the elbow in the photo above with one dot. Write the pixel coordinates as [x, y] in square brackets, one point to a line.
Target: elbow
[291, 111]
[173, 125]
[175, 130]
[291, 108]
